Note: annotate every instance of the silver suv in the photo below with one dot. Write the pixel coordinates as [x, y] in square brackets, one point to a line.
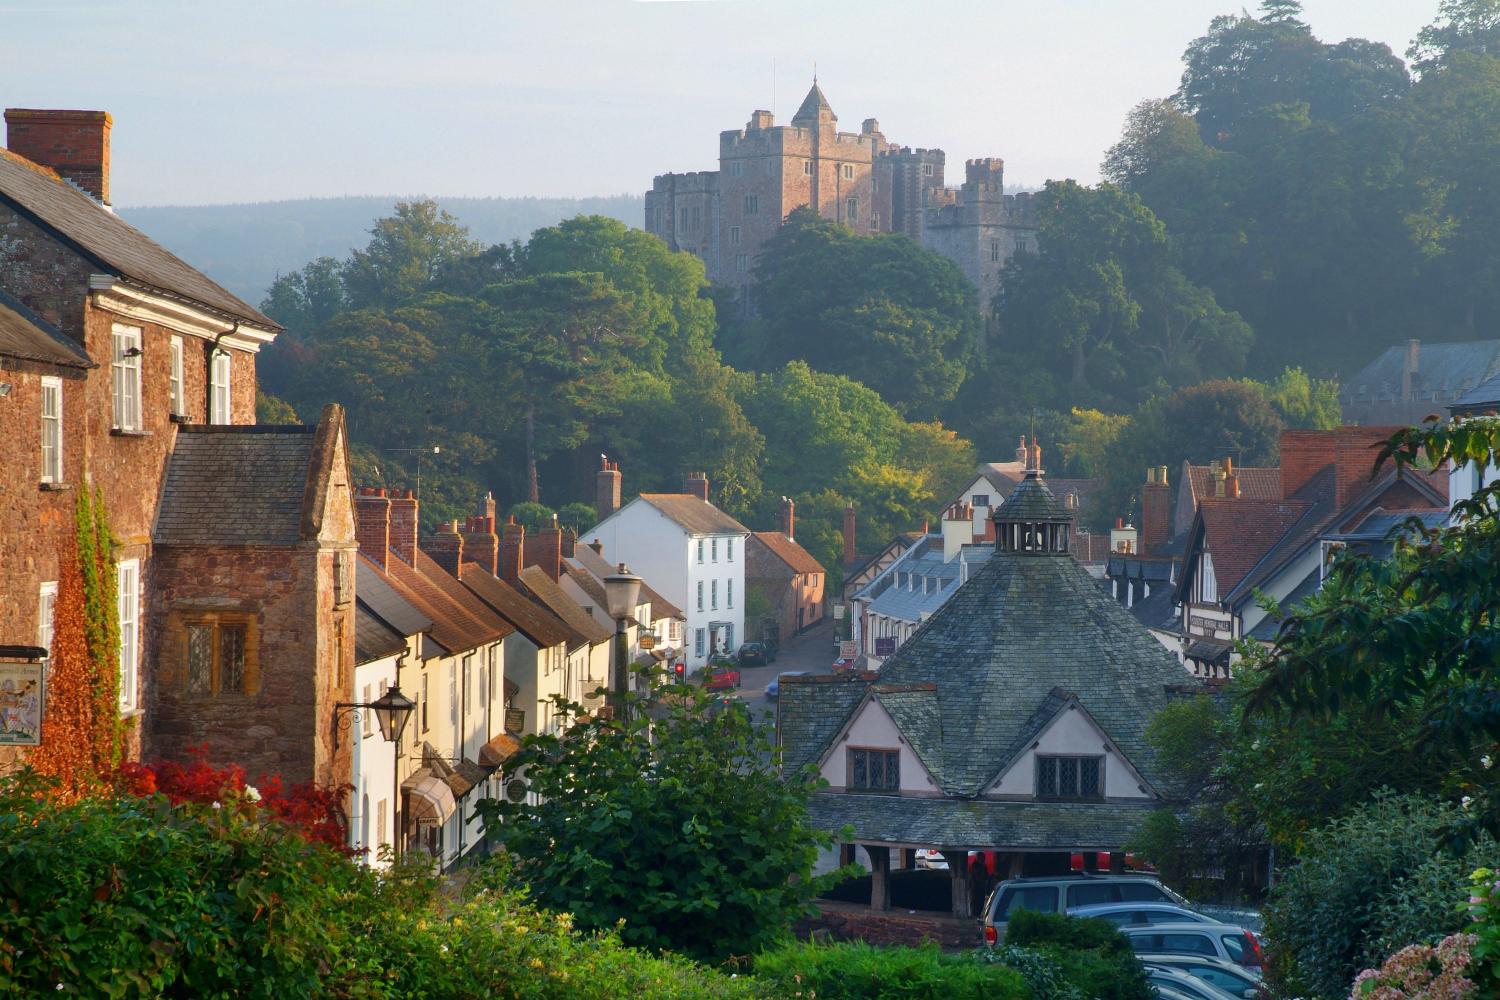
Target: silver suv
[1063, 893]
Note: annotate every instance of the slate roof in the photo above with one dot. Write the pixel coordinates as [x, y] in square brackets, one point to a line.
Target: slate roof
[696, 517]
[797, 559]
[1032, 500]
[1445, 375]
[929, 580]
[812, 104]
[600, 567]
[235, 484]
[1022, 632]
[116, 245]
[927, 821]
[1484, 396]
[1003, 476]
[535, 622]
[585, 630]
[376, 591]
[1157, 610]
[1265, 630]
[373, 638]
[26, 336]
[915, 710]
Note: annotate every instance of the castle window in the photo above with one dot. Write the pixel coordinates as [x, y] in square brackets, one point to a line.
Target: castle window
[125, 376]
[740, 262]
[1069, 777]
[926, 170]
[752, 205]
[874, 220]
[734, 236]
[736, 168]
[848, 171]
[771, 168]
[52, 440]
[994, 250]
[697, 219]
[217, 654]
[874, 770]
[851, 210]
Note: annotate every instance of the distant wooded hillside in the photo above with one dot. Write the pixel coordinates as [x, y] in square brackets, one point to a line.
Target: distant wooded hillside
[244, 247]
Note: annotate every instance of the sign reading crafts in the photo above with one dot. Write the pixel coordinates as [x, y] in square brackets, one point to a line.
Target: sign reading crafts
[23, 695]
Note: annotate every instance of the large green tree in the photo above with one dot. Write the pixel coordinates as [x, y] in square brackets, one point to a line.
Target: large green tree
[677, 826]
[879, 309]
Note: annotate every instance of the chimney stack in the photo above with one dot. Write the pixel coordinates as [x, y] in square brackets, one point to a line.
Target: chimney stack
[487, 508]
[481, 546]
[512, 544]
[848, 534]
[1231, 481]
[1021, 451]
[372, 524]
[1410, 366]
[606, 488]
[447, 547]
[544, 550]
[73, 143]
[1034, 457]
[696, 484]
[788, 517]
[569, 543]
[1156, 511]
[404, 527]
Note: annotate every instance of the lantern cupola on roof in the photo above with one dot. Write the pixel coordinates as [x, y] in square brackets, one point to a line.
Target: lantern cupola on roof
[1032, 521]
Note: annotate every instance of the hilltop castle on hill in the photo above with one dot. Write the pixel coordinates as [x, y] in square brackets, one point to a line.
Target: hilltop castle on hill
[856, 178]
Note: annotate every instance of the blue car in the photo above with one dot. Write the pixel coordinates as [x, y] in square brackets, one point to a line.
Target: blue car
[773, 689]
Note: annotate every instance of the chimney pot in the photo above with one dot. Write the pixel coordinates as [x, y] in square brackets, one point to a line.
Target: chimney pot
[696, 484]
[607, 483]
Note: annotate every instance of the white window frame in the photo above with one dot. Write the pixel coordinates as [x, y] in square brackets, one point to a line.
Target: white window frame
[700, 595]
[729, 593]
[713, 550]
[713, 595]
[46, 616]
[52, 429]
[699, 641]
[700, 552]
[125, 377]
[128, 599]
[176, 382]
[848, 171]
[729, 550]
[220, 371]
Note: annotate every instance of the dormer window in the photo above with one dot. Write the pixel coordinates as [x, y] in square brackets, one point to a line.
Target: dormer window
[874, 770]
[1060, 777]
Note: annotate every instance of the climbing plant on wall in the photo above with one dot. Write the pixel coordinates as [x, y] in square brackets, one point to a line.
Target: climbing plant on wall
[82, 733]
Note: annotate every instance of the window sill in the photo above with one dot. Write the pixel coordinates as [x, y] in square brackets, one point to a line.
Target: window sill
[131, 713]
[180, 418]
[53, 487]
[119, 432]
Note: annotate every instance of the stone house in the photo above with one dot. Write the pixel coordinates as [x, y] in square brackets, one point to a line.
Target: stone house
[126, 370]
[787, 576]
[1407, 383]
[1012, 721]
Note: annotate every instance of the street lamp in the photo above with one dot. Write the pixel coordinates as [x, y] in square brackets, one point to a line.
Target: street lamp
[392, 711]
[622, 592]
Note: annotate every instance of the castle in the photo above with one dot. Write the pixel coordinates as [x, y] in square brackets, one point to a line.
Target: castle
[856, 178]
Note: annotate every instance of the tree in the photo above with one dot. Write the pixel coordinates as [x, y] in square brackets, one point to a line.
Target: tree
[1412, 639]
[879, 309]
[578, 516]
[679, 827]
[1462, 26]
[270, 409]
[406, 251]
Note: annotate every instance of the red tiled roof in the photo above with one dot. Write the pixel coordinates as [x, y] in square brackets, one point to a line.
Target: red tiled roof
[453, 625]
[1256, 482]
[531, 619]
[1237, 533]
[788, 551]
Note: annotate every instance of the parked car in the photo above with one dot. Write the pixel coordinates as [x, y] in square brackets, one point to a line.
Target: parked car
[720, 677]
[1171, 984]
[1122, 914]
[1062, 893]
[773, 689]
[753, 654]
[1228, 976]
[1225, 941]
[843, 666]
[932, 860]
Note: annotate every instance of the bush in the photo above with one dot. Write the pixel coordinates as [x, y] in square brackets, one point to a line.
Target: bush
[860, 972]
[1422, 972]
[1091, 955]
[1040, 970]
[1365, 886]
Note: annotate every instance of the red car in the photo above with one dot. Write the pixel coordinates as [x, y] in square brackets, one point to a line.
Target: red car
[843, 666]
[721, 678]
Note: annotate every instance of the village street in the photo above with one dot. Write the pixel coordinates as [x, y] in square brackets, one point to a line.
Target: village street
[811, 651]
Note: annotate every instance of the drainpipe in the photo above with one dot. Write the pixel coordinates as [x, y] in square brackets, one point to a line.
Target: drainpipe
[208, 372]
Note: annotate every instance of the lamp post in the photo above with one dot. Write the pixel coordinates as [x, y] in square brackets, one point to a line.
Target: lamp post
[622, 590]
[392, 711]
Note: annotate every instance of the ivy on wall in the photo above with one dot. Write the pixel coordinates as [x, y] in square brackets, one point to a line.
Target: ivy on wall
[83, 735]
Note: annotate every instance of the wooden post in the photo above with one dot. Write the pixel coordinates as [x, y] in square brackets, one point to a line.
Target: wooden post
[958, 872]
[880, 882]
[1117, 862]
[846, 854]
[908, 858]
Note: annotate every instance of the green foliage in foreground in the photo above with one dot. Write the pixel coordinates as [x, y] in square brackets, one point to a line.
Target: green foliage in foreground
[860, 972]
[1091, 956]
[677, 827]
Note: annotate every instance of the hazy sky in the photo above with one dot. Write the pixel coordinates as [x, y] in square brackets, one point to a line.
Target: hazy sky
[265, 99]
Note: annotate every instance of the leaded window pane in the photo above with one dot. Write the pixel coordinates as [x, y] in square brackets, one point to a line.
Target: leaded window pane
[1067, 777]
[892, 770]
[861, 770]
[231, 658]
[1088, 778]
[200, 658]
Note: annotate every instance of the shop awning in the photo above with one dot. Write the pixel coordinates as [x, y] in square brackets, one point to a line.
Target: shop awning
[499, 750]
[429, 798]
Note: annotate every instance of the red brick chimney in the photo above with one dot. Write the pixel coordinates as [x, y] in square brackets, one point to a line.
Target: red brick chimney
[73, 143]
[1231, 481]
[1351, 450]
[544, 550]
[446, 547]
[788, 517]
[512, 547]
[696, 484]
[487, 508]
[569, 543]
[606, 488]
[1156, 511]
[404, 526]
[372, 523]
[481, 545]
[848, 533]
